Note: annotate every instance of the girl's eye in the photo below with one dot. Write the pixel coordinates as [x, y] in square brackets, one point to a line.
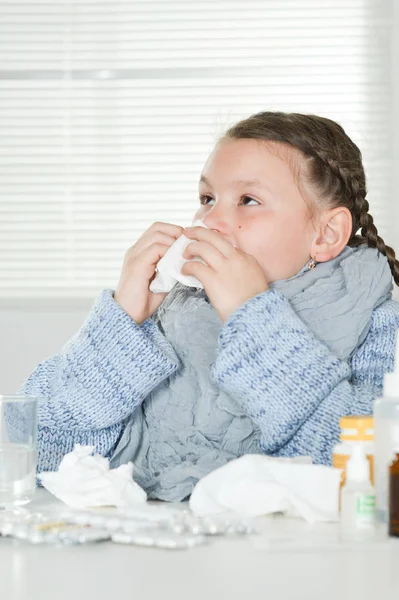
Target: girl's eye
[204, 199]
[247, 199]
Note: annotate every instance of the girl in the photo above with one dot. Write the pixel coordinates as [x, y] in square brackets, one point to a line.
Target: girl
[295, 326]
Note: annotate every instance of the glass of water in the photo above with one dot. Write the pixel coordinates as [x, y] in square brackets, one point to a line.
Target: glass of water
[18, 434]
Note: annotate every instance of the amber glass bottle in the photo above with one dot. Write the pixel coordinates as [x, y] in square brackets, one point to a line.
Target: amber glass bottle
[394, 496]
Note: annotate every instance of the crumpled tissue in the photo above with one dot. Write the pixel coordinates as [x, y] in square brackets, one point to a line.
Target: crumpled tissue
[169, 267]
[255, 485]
[84, 480]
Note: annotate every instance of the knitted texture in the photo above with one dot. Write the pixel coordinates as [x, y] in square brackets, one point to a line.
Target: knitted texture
[101, 375]
[288, 381]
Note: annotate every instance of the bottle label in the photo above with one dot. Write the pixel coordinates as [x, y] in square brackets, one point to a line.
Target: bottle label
[365, 509]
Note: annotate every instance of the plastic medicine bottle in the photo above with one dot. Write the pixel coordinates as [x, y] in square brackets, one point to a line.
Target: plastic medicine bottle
[386, 430]
[354, 430]
[357, 499]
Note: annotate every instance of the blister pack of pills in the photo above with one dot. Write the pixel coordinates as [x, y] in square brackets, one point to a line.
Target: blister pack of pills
[166, 519]
[156, 526]
[48, 528]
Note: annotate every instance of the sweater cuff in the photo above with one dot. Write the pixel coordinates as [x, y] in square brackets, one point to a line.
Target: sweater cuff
[115, 358]
[121, 339]
[252, 321]
[265, 333]
[272, 363]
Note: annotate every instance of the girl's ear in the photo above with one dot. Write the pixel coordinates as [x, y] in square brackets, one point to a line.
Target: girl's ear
[334, 231]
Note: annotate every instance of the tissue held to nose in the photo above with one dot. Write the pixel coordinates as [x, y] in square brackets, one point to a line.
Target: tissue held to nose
[169, 267]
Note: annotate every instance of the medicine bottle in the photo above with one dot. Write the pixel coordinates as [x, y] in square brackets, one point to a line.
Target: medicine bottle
[393, 526]
[357, 522]
[386, 422]
[354, 430]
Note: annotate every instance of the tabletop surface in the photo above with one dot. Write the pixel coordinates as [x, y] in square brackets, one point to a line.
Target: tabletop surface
[289, 560]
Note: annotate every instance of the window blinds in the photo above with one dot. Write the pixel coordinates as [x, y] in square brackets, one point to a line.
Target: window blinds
[109, 109]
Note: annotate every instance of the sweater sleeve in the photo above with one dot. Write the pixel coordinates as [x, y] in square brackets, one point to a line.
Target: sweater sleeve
[292, 386]
[97, 380]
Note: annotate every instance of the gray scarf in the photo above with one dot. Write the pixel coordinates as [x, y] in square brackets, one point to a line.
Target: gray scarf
[187, 427]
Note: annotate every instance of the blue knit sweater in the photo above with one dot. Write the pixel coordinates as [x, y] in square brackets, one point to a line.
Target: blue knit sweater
[288, 382]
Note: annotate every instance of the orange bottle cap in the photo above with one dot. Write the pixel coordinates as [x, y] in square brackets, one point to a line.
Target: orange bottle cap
[357, 428]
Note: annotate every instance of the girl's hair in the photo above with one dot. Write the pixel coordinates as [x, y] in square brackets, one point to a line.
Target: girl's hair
[333, 167]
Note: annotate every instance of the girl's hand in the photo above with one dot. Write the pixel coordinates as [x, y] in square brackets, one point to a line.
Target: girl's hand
[230, 276]
[138, 270]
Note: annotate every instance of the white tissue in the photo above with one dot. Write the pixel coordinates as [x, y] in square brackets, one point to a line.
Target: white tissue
[169, 267]
[83, 481]
[255, 485]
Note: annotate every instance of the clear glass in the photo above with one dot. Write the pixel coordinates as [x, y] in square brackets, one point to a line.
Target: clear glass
[18, 435]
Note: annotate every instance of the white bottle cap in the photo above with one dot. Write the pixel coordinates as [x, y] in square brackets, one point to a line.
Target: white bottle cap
[358, 467]
[391, 380]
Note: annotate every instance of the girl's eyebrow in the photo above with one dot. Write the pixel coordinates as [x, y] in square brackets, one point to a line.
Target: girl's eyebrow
[242, 182]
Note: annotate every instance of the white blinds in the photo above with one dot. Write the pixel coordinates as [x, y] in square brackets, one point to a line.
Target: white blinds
[108, 110]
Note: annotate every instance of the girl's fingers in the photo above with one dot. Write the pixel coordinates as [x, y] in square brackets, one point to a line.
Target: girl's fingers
[157, 237]
[158, 233]
[198, 270]
[206, 251]
[150, 257]
[155, 252]
[167, 228]
[212, 237]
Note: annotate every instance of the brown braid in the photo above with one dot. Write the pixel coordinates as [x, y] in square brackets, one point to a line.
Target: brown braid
[370, 234]
[333, 166]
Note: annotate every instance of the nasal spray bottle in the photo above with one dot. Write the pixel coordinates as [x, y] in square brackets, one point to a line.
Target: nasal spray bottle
[386, 436]
[357, 499]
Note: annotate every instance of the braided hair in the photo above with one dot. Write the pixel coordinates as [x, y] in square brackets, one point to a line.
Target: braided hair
[333, 167]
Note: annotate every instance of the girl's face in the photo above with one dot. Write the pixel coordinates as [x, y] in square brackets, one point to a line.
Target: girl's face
[249, 195]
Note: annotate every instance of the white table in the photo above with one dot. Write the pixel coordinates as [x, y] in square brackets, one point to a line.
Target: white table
[289, 561]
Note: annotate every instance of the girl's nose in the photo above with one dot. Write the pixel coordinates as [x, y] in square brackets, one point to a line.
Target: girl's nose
[219, 220]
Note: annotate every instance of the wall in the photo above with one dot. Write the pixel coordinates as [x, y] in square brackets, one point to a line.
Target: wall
[28, 336]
